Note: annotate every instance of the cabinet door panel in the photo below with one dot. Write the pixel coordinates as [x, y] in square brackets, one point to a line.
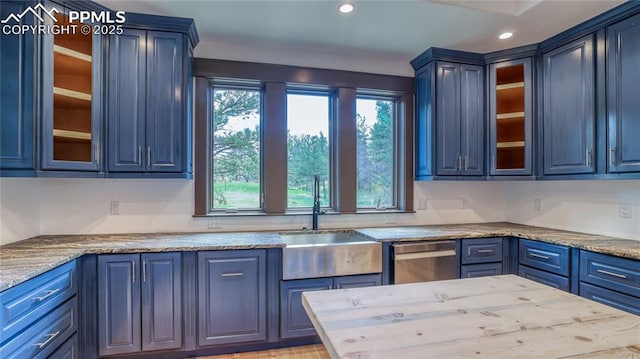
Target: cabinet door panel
[424, 123]
[511, 117]
[127, 64]
[569, 114]
[294, 321]
[472, 120]
[161, 301]
[165, 113]
[480, 270]
[623, 76]
[546, 278]
[231, 297]
[357, 281]
[16, 93]
[72, 113]
[119, 304]
[612, 298]
[448, 119]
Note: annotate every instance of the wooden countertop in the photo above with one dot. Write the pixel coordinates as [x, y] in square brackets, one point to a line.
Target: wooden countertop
[488, 317]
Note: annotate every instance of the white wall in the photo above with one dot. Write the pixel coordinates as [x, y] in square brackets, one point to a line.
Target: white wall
[33, 206]
[71, 206]
[19, 208]
[582, 206]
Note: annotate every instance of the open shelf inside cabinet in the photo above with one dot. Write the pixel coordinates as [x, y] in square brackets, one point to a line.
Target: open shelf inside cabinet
[72, 95]
[510, 117]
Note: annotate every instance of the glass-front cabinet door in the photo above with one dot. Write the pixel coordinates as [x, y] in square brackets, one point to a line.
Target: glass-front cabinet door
[71, 95]
[511, 117]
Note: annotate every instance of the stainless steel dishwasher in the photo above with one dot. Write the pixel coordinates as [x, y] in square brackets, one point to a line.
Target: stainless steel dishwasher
[424, 261]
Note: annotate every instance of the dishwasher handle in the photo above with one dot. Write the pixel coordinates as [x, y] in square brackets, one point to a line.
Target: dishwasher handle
[420, 247]
[419, 255]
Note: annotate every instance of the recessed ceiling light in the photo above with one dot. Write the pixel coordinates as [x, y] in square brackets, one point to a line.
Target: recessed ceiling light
[505, 35]
[346, 8]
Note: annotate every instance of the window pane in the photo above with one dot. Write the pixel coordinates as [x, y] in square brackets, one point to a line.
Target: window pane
[308, 148]
[236, 149]
[375, 163]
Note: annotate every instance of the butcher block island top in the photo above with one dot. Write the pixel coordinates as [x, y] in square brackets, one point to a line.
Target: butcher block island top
[488, 317]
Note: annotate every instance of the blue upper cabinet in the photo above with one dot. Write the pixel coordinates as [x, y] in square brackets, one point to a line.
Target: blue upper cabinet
[148, 120]
[569, 108]
[16, 94]
[623, 79]
[449, 121]
[166, 114]
[510, 114]
[71, 99]
[127, 94]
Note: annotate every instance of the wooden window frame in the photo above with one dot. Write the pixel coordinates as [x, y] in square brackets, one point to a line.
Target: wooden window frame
[276, 80]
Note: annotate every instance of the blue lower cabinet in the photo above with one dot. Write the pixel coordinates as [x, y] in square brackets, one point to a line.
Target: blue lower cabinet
[68, 350]
[612, 298]
[294, 321]
[119, 304]
[232, 297]
[44, 336]
[357, 281]
[481, 270]
[550, 279]
[139, 303]
[161, 301]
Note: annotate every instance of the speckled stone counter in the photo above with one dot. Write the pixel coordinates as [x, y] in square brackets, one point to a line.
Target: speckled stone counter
[608, 245]
[23, 260]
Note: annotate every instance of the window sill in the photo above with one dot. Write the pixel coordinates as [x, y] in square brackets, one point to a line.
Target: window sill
[298, 213]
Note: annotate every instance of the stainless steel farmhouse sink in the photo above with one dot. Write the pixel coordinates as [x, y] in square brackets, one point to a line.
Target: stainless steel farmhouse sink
[316, 254]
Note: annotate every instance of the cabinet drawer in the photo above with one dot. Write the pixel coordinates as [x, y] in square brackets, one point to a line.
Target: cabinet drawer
[357, 281]
[605, 296]
[29, 301]
[552, 280]
[68, 350]
[620, 274]
[480, 270]
[45, 336]
[550, 257]
[481, 250]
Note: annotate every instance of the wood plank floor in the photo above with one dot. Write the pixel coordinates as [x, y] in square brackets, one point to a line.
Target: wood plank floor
[316, 351]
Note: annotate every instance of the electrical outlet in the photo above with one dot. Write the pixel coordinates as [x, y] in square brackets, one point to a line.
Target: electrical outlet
[214, 225]
[391, 219]
[115, 207]
[537, 204]
[422, 204]
[624, 210]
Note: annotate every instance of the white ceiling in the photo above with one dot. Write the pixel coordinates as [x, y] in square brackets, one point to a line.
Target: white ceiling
[378, 36]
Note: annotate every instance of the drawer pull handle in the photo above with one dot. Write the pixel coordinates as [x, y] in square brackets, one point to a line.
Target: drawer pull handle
[485, 250]
[49, 293]
[51, 337]
[612, 274]
[236, 274]
[538, 256]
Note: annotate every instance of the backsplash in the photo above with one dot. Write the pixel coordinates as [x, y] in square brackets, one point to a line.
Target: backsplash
[33, 206]
[582, 206]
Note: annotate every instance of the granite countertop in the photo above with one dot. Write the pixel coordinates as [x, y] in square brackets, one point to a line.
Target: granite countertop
[627, 248]
[23, 260]
[486, 317]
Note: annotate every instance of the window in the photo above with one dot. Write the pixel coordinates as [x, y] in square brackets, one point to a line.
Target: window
[235, 149]
[262, 133]
[376, 159]
[307, 148]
